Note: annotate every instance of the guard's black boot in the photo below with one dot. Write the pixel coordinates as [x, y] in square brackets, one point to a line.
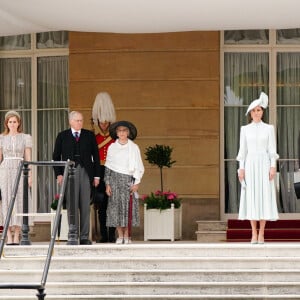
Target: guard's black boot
[102, 223]
[112, 234]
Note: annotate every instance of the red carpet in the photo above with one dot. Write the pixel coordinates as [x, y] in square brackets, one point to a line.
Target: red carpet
[277, 231]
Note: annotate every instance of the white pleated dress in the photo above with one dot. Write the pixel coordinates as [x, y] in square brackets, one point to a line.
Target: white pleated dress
[256, 155]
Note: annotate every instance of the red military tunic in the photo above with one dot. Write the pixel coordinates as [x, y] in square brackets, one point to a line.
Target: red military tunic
[103, 141]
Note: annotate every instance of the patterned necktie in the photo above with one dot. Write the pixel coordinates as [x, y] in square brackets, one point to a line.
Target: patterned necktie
[76, 136]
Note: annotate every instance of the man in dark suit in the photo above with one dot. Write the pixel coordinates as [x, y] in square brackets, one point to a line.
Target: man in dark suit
[79, 145]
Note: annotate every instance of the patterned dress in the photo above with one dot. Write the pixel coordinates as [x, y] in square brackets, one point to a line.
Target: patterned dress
[13, 149]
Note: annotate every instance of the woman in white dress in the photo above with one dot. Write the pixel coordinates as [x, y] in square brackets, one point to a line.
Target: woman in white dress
[14, 147]
[257, 169]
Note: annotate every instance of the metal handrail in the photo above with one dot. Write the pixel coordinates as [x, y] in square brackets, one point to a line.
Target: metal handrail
[23, 165]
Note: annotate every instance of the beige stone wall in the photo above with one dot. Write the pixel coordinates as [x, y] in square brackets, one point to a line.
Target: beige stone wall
[168, 85]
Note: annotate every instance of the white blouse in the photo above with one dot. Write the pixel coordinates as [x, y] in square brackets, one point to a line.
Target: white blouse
[125, 159]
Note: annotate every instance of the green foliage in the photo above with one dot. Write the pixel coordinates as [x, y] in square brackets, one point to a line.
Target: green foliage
[159, 155]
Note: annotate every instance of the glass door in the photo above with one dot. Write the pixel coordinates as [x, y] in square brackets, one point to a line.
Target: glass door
[288, 130]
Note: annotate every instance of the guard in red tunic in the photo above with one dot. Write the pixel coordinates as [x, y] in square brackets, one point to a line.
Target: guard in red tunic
[103, 115]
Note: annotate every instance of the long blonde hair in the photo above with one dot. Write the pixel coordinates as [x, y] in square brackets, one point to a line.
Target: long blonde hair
[8, 115]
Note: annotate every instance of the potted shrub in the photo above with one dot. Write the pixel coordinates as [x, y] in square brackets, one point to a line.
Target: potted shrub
[162, 210]
[160, 156]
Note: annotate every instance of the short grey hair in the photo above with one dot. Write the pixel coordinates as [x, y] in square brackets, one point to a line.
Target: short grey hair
[73, 113]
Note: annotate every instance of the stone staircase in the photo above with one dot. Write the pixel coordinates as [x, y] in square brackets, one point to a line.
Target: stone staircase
[156, 271]
[211, 231]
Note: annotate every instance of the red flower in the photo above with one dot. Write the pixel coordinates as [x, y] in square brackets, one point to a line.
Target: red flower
[55, 202]
[158, 193]
[170, 197]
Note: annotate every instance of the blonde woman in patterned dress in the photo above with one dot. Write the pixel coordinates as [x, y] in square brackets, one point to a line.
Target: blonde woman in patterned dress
[14, 147]
[257, 169]
[123, 173]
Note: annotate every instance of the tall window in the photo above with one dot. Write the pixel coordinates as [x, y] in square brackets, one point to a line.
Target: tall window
[274, 69]
[288, 123]
[34, 81]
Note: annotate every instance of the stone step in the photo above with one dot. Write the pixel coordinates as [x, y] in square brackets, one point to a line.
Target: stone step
[171, 275]
[156, 297]
[211, 236]
[149, 250]
[156, 271]
[211, 231]
[212, 225]
[158, 263]
[167, 288]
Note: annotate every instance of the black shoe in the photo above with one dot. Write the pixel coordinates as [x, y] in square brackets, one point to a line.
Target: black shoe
[112, 234]
[85, 242]
[102, 241]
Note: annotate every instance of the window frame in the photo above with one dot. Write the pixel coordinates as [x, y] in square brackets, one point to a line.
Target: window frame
[34, 53]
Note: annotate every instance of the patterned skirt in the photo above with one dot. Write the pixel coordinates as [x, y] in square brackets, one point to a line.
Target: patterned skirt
[118, 203]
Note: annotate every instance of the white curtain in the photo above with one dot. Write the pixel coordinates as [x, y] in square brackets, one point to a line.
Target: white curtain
[15, 42]
[51, 39]
[15, 89]
[53, 80]
[246, 37]
[245, 76]
[288, 36]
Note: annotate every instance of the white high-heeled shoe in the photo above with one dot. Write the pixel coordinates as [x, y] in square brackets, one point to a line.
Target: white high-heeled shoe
[127, 240]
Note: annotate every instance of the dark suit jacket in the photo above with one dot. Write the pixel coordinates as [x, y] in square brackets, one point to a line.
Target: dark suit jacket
[89, 155]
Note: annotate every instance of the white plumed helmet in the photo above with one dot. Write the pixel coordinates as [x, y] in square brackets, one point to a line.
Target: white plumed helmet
[103, 109]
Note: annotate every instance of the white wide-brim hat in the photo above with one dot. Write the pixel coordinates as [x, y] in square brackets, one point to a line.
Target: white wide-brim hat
[261, 101]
